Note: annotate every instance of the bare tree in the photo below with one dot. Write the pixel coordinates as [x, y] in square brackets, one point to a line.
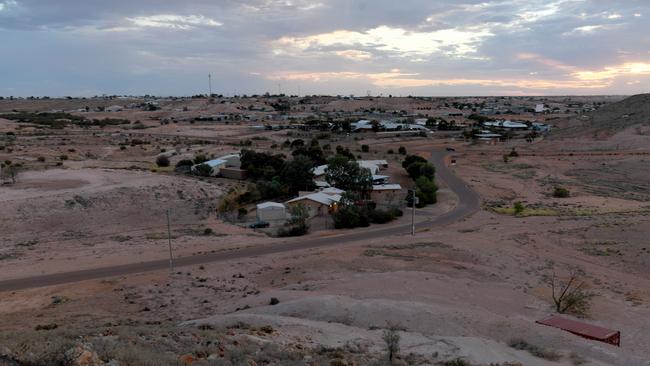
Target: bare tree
[570, 295]
[391, 337]
[9, 170]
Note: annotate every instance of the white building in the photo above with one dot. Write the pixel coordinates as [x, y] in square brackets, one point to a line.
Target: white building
[232, 160]
[317, 203]
[215, 164]
[114, 108]
[271, 212]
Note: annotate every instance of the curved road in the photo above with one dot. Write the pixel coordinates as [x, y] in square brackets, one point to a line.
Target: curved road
[468, 203]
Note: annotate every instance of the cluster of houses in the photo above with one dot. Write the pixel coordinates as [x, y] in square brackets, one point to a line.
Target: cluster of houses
[326, 199]
[387, 125]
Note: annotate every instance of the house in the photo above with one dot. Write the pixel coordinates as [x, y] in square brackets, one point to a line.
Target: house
[114, 108]
[317, 203]
[332, 191]
[232, 160]
[387, 194]
[319, 171]
[379, 163]
[215, 164]
[271, 212]
[380, 179]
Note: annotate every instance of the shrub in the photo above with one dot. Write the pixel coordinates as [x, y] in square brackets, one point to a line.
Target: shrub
[513, 153]
[203, 170]
[365, 148]
[391, 338]
[402, 150]
[382, 216]
[63, 157]
[241, 212]
[534, 350]
[41, 159]
[297, 230]
[162, 161]
[519, 208]
[560, 192]
[184, 162]
[390, 151]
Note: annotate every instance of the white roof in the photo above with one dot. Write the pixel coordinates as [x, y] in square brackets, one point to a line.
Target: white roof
[264, 205]
[320, 170]
[229, 156]
[376, 162]
[321, 184]
[386, 187]
[319, 197]
[332, 190]
[372, 167]
[214, 163]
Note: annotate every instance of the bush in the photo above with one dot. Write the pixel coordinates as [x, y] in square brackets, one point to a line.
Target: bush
[63, 157]
[242, 212]
[203, 170]
[365, 148]
[382, 216]
[184, 162]
[519, 208]
[350, 217]
[41, 159]
[402, 150]
[297, 230]
[561, 192]
[534, 350]
[162, 161]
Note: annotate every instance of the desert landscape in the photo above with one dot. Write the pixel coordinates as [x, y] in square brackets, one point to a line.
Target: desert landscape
[97, 195]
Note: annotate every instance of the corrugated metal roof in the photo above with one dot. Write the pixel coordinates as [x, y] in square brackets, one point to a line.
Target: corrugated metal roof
[579, 328]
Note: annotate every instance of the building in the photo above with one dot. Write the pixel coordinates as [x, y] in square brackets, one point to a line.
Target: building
[114, 108]
[317, 204]
[215, 164]
[387, 194]
[271, 212]
[232, 160]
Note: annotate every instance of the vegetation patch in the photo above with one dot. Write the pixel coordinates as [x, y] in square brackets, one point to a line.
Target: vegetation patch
[534, 350]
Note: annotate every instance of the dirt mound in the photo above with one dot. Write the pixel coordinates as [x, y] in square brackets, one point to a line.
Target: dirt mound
[609, 119]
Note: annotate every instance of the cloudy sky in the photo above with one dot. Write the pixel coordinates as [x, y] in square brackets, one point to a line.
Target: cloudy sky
[419, 47]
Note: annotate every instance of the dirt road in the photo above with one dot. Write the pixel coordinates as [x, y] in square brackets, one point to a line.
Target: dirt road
[468, 203]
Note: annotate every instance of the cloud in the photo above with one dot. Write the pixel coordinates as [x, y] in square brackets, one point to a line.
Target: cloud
[611, 72]
[183, 22]
[401, 42]
[335, 46]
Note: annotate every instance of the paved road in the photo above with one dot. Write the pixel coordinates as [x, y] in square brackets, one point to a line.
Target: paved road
[468, 203]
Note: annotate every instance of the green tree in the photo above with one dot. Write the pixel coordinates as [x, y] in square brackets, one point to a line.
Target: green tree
[298, 175]
[410, 159]
[426, 191]
[421, 169]
[347, 175]
[203, 170]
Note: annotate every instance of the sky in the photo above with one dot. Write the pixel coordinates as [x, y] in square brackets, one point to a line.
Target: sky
[336, 47]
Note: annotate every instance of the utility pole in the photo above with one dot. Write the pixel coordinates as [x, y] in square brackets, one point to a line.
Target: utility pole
[210, 85]
[169, 237]
[413, 199]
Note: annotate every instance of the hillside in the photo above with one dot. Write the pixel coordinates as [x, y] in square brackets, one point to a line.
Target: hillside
[609, 119]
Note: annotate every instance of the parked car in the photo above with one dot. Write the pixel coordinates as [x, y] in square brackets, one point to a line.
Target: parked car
[259, 225]
[450, 149]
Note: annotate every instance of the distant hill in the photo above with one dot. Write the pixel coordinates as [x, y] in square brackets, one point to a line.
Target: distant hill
[609, 119]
